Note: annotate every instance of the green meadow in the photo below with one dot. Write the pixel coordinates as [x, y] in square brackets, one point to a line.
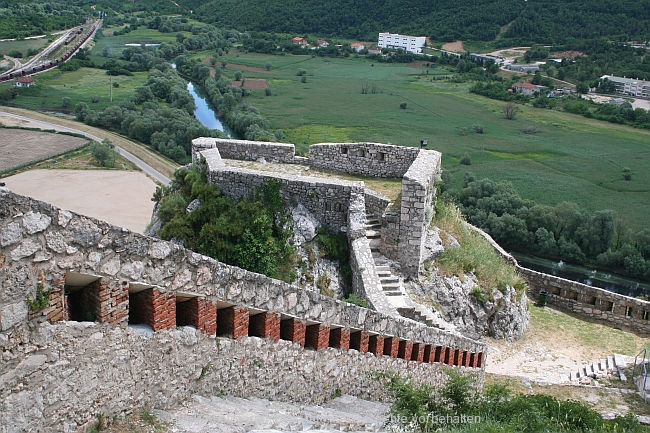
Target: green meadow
[23, 45]
[83, 85]
[559, 157]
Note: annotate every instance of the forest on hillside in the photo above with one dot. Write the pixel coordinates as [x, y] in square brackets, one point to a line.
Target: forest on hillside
[511, 22]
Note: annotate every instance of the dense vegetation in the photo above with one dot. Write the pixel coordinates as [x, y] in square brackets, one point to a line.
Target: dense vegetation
[512, 22]
[564, 231]
[457, 408]
[446, 20]
[252, 234]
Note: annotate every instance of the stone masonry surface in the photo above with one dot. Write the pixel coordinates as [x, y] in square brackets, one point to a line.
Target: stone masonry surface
[57, 377]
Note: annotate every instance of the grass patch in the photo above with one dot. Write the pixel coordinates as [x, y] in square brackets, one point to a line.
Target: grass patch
[23, 45]
[80, 86]
[474, 254]
[594, 339]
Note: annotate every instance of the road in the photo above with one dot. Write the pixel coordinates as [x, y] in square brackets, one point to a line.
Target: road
[44, 124]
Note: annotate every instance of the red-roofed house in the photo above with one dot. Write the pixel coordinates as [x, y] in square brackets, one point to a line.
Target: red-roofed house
[526, 88]
[323, 44]
[300, 41]
[357, 46]
[25, 82]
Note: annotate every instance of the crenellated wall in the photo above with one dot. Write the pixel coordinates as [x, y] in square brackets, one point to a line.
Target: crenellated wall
[273, 339]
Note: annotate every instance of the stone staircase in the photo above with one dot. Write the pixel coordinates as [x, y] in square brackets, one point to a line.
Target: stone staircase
[610, 367]
[391, 284]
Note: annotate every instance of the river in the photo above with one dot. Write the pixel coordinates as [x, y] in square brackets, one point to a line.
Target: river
[592, 277]
[204, 113]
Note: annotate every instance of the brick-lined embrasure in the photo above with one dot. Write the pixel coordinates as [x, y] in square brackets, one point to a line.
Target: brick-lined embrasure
[391, 346]
[448, 357]
[187, 312]
[418, 352]
[232, 322]
[376, 345]
[405, 349]
[429, 353]
[359, 340]
[293, 329]
[317, 336]
[265, 325]
[340, 338]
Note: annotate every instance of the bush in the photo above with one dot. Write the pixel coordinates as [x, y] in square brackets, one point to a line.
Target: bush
[402, 105]
[466, 160]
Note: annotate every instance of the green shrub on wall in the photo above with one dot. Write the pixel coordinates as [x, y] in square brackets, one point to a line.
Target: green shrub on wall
[252, 234]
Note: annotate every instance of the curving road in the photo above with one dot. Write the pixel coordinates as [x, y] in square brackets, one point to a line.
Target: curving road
[148, 169]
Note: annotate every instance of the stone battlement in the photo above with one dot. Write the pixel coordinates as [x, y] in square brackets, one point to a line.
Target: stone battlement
[104, 278]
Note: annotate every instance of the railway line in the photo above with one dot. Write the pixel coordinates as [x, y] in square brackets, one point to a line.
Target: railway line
[68, 44]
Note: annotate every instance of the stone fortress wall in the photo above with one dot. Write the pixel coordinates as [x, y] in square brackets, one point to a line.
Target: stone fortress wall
[77, 358]
[418, 169]
[587, 301]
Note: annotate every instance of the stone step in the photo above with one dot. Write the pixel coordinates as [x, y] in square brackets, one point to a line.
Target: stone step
[610, 363]
[388, 279]
[372, 234]
[382, 268]
[392, 293]
[602, 364]
[389, 286]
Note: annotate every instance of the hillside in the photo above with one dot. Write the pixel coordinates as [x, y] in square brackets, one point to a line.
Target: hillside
[533, 21]
[512, 22]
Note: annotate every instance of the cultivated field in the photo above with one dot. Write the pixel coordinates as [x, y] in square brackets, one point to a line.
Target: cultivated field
[19, 147]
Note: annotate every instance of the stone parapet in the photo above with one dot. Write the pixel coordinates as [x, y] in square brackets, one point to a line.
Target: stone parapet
[365, 159]
[587, 301]
[416, 208]
[247, 150]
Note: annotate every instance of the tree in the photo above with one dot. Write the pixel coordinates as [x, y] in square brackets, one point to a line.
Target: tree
[510, 110]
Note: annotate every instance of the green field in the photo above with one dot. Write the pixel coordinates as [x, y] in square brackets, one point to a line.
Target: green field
[568, 158]
[23, 45]
[80, 86]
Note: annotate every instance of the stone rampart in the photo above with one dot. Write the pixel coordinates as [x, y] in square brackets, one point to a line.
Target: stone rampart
[101, 273]
[365, 159]
[416, 208]
[246, 150]
[587, 301]
[328, 200]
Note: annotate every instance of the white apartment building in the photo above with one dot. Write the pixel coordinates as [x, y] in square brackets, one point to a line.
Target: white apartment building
[629, 86]
[412, 44]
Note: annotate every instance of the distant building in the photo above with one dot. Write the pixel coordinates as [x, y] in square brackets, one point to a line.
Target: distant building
[527, 88]
[300, 41]
[323, 44]
[374, 50]
[523, 68]
[484, 58]
[629, 86]
[25, 82]
[357, 46]
[412, 44]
